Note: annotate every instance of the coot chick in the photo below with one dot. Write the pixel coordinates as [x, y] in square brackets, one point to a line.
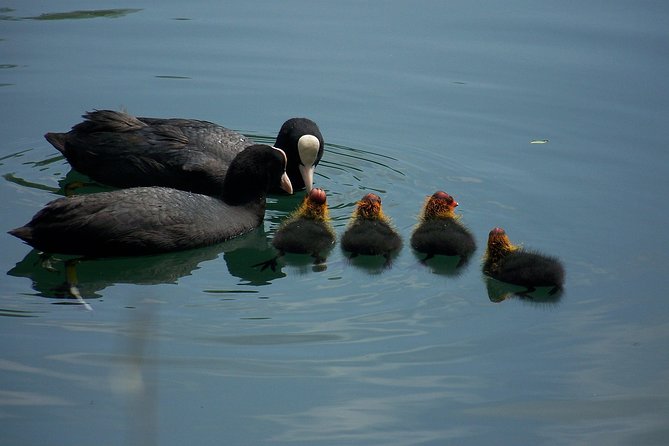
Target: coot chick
[305, 231]
[512, 264]
[122, 150]
[308, 229]
[440, 232]
[370, 232]
[149, 220]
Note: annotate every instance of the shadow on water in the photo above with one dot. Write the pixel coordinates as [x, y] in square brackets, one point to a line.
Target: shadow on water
[501, 291]
[94, 275]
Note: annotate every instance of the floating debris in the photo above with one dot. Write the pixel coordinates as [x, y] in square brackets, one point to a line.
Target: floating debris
[85, 14]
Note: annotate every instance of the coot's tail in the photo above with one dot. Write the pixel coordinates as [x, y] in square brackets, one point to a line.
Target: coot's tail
[57, 140]
[25, 233]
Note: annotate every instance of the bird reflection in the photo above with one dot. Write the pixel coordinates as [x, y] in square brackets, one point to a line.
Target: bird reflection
[55, 279]
[501, 291]
[444, 265]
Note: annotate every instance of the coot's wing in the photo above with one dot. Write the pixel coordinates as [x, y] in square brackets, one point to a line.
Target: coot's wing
[135, 221]
[124, 151]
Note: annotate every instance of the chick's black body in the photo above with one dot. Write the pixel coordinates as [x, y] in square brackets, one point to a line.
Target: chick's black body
[308, 229]
[440, 232]
[512, 264]
[371, 237]
[370, 231]
[304, 236]
[527, 268]
[443, 237]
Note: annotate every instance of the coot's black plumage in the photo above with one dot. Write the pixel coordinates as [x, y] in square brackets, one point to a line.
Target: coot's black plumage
[122, 150]
[308, 229]
[148, 220]
[439, 231]
[512, 264]
[370, 232]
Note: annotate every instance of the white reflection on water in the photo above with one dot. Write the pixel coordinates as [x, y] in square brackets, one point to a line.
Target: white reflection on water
[29, 398]
[15, 398]
[619, 420]
[379, 420]
[16, 367]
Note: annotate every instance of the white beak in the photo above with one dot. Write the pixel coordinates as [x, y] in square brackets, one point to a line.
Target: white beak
[307, 147]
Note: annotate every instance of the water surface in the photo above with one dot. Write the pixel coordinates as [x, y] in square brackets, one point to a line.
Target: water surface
[547, 120]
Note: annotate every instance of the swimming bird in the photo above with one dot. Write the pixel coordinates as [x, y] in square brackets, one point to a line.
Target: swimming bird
[118, 149]
[149, 220]
[509, 263]
[306, 231]
[440, 232]
[370, 231]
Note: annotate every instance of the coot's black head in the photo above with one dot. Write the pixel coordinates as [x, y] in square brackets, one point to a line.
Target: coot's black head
[253, 172]
[303, 143]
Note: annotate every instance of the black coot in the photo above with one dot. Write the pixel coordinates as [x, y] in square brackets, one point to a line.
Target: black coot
[122, 150]
[370, 232]
[308, 230]
[440, 232]
[512, 264]
[148, 220]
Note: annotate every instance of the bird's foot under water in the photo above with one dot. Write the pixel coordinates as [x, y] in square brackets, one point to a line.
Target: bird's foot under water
[271, 263]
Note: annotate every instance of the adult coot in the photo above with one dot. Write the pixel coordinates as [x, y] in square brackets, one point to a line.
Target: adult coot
[122, 150]
[440, 232]
[147, 220]
[370, 232]
[512, 264]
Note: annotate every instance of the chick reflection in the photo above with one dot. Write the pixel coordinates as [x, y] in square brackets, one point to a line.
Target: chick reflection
[501, 291]
[306, 231]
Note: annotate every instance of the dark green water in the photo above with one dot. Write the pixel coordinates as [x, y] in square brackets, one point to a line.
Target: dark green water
[547, 120]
